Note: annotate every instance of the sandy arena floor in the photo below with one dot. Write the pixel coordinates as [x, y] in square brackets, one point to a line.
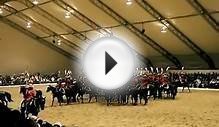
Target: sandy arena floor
[195, 109]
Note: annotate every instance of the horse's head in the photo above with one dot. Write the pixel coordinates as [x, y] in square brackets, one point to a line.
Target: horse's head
[8, 96]
[39, 93]
[22, 90]
[49, 88]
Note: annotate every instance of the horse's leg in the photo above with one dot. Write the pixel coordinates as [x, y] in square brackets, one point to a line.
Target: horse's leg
[110, 101]
[60, 100]
[136, 99]
[183, 88]
[118, 99]
[82, 99]
[52, 100]
[140, 97]
[68, 100]
[154, 93]
[145, 99]
[77, 97]
[188, 88]
[127, 99]
[89, 98]
[107, 101]
[96, 97]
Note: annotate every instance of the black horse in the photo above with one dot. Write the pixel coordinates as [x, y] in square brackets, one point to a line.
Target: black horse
[81, 89]
[170, 90]
[34, 105]
[56, 93]
[143, 94]
[5, 97]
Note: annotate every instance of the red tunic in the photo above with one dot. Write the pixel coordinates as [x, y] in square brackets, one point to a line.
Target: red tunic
[30, 94]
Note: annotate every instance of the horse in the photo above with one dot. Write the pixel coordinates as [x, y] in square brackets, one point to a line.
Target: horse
[82, 89]
[143, 94]
[5, 97]
[170, 90]
[34, 105]
[55, 94]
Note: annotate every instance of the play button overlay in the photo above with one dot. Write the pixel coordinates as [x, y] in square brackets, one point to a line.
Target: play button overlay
[108, 63]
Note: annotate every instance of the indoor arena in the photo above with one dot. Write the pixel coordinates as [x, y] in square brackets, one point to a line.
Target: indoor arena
[109, 63]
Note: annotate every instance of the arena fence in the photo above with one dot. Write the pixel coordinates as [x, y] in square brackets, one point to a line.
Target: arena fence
[202, 89]
[53, 84]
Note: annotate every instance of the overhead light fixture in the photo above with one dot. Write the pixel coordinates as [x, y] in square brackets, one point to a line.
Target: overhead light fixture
[29, 24]
[35, 2]
[59, 43]
[142, 29]
[1, 10]
[163, 29]
[128, 2]
[67, 15]
[101, 35]
[59, 40]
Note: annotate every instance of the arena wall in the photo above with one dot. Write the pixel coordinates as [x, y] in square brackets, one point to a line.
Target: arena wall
[19, 52]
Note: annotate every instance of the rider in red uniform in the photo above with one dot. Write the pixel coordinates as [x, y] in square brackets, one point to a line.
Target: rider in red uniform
[30, 93]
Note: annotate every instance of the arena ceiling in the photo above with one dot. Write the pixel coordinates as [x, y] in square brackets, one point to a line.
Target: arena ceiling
[162, 32]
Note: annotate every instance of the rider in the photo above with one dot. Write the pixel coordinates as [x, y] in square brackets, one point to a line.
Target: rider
[30, 91]
[61, 87]
[29, 95]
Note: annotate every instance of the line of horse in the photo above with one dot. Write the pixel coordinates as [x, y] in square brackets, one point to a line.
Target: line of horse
[74, 92]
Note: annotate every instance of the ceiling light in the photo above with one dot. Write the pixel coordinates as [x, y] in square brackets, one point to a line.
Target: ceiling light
[1, 9]
[59, 43]
[67, 15]
[128, 2]
[72, 11]
[101, 35]
[35, 2]
[29, 24]
[163, 29]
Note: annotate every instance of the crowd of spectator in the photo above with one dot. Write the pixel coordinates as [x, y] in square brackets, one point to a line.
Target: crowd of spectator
[37, 78]
[202, 80]
[22, 78]
[195, 80]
